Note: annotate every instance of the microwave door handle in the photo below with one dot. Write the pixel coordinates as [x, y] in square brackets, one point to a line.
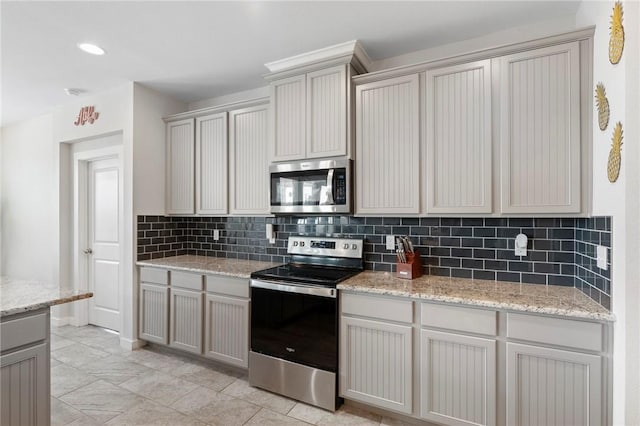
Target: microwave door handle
[330, 184]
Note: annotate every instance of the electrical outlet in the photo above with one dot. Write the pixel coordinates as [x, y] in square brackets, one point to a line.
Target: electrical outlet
[602, 255]
[216, 234]
[391, 242]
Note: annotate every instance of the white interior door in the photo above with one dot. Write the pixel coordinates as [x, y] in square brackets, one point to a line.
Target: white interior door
[103, 241]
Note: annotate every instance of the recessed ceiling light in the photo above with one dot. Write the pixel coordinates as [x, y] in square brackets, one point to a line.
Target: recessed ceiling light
[91, 48]
[72, 91]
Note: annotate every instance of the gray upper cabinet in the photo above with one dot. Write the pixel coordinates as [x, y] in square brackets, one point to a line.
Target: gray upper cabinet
[540, 130]
[387, 147]
[211, 164]
[180, 167]
[458, 139]
[309, 114]
[248, 159]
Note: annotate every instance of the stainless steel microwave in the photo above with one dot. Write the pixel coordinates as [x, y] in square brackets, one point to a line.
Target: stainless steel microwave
[318, 186]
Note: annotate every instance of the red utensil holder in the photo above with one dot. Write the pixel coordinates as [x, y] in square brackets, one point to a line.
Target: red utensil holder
[410, 270]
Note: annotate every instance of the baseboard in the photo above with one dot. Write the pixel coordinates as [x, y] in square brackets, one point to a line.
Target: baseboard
[131, 344]
[59, 322]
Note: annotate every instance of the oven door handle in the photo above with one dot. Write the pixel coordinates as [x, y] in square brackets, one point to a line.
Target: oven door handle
[301, 289]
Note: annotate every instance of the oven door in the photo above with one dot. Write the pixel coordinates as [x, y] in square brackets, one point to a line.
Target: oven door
[295, 323]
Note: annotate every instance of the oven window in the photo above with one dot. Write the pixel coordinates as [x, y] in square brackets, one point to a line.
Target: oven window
[296, 327]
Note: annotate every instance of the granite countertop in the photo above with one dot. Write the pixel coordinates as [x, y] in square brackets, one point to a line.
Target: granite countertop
[209, 265]
[18, 296]
[544, 299]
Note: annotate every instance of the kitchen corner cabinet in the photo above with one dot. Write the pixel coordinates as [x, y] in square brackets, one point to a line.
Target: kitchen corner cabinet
[207, 315]
[197, 165]
[376, 352]
[154, 305]
[458, 135]
[180, 167]
[387, 147]
[540, 130]
[227, 320]
[185, 311]
[309, 115]
[249, 161]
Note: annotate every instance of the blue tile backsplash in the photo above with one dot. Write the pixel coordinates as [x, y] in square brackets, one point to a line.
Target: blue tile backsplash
[561, 251]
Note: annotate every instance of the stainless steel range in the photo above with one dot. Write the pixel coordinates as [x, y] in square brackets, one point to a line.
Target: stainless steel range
[294, 319]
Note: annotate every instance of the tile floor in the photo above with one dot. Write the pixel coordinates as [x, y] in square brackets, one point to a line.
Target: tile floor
[94, 381]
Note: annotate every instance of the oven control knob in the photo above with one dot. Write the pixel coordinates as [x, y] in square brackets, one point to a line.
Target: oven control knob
[301, 243]
[295, 243]
[346, 246]
[354, 247]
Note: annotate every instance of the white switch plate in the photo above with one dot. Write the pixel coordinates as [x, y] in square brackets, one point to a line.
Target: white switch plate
[216, 234]
[602, 255]
[391, 242]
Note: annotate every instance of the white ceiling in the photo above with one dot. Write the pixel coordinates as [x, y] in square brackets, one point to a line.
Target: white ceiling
[198, 50]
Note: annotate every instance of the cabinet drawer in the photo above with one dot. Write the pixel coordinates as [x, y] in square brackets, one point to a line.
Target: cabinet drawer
[23, 331]
[555, 331]
[186, 280]
[154, 275]
[230, 286]
[378, 307]
[459, 318]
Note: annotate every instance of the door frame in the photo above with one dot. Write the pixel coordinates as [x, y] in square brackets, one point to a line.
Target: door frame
[81, 160]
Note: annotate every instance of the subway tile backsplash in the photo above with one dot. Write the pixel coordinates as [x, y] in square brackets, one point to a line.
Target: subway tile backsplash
[561, 251]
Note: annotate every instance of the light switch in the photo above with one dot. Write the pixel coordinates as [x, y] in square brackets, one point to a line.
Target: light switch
[602, 255]
[391, 242]
[216, 234]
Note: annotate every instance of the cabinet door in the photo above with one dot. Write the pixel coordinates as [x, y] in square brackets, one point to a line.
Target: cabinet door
[551, 386]
[211, 164]
[288, 118]
[180, 167]
[327, 112]
[154, 313]
[458, 139]
[375, 363]
[457, 379]
[249, 161]
[387, 147]
[185, 320]
[540, 130]
[24, 380]
[227, 329]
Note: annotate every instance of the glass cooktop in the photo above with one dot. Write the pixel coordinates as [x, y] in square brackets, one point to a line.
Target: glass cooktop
[307, 274]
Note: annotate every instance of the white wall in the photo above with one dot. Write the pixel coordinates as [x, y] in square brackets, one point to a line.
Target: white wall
[28, 200]
[149, 150]
[620, 199]
[246, 95]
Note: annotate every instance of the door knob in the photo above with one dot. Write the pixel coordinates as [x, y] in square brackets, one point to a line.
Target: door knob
[87, 251]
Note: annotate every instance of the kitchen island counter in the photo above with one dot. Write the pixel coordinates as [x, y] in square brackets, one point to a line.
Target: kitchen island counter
[534, 298]
[17, 296]
[238, 268]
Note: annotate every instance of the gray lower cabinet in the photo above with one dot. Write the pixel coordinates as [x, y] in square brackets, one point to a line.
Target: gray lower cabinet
[561, 385]
[154, 305]
[186, 299]
[227, 329]
[226, 320]
[457, 378]
[376, 353]
[25, 370]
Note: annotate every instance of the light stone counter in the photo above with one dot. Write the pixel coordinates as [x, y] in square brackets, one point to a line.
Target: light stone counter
[18, 296]
[536, 298]
[209, 265]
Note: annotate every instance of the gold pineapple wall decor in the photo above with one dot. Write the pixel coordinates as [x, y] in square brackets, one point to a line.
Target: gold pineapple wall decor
[603, 106]
[616, 40]
[613, 165]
